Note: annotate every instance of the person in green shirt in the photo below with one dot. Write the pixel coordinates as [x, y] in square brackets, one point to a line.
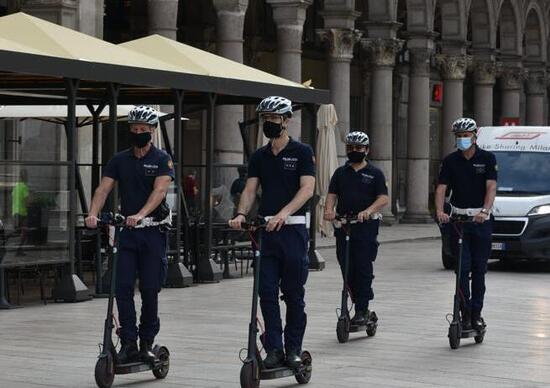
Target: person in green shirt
[19, 211]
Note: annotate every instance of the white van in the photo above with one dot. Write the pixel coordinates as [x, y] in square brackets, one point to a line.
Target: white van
[522, 206]
[521, 229]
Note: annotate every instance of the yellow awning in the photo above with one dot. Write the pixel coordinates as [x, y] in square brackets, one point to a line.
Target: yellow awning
[203, 62]
[24, 33]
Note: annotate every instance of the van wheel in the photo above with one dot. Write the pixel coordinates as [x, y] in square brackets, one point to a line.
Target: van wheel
[449, 262]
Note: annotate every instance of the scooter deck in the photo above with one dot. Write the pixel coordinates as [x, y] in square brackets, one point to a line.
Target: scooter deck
[133, 367]
[357, 328]
[283, 371]
[473, 333]
[136, 367]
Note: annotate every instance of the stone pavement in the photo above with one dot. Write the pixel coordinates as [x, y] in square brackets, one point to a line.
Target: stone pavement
[205, 326]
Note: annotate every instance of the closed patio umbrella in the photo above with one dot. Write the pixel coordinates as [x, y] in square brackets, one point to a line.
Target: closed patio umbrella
[327, 161]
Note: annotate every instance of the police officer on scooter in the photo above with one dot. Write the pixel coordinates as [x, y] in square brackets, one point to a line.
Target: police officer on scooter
[358, 188]
[143, 173]
[471, 175]
[285, 170]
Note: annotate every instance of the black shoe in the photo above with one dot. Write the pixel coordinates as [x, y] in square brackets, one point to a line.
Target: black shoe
[361, 317]
[146, 351]
[293, 359]
[274, 359]
[128, 352]
[466, 321]
[478, 323]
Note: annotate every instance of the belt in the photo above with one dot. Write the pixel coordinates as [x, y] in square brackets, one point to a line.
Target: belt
[470, 212]
[292, 220]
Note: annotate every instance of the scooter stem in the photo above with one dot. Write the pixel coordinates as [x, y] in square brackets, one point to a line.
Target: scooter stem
[344, 303]
[253, 326]
[107, 339]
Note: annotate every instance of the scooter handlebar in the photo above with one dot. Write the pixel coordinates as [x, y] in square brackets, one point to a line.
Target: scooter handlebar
[348, 219]
[114, 219]
[259, 222]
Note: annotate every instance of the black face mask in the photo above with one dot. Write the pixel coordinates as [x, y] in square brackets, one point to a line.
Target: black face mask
[140, 140]
[356, 156]
[272, 130]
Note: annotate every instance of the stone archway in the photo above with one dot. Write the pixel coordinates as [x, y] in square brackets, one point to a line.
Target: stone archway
[482, 19]
[510, 28]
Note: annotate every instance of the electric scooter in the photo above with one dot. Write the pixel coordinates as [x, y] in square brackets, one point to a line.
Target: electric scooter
[456, 331]
[107, 365]
[344, 326]
[253, 369]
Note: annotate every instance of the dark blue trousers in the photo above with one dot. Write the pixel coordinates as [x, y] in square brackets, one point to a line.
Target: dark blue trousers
[475, 254]
[363, 252]
[141, 255]
[284, 264]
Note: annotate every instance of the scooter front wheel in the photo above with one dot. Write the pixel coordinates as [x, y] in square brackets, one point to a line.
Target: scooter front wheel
[105, 371]
[163, 355]
[342, 330]
[249, 375]
[454, 335]
[304, 376]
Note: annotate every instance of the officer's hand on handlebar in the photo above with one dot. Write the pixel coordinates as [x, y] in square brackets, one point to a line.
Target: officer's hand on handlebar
[235, 223]
[91, 221]
[363, 216]
[480, 218]
[329, 215]
[133, 221]
[442, 217]
[277, 222]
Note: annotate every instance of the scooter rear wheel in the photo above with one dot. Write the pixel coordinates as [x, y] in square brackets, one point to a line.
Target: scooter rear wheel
[105, 371]
[371, 329]
[249, 371]
[454, 336]
[164, 357]
[479, 338]
[305, 376]
[342, 330]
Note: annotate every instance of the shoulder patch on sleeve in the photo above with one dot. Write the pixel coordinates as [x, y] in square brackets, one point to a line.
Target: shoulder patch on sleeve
[170, 164]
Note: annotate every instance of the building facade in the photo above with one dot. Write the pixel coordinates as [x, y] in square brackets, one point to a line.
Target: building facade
[400, 70]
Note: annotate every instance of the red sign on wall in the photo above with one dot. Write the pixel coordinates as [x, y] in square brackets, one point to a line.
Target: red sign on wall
[509, 121]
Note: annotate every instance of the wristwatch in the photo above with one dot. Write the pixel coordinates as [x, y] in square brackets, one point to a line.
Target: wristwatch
[485, 211]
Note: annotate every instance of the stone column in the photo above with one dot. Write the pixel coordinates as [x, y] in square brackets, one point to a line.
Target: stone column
[163, 15]
[484, 81]
[511, 80]
[62, 12]
[536, 85]
[341, 44]
[453, 69]
[418, 146]
[382, 54]
[228, 146]
[289, 16]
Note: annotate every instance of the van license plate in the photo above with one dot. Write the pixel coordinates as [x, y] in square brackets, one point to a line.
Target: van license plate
[498, 246]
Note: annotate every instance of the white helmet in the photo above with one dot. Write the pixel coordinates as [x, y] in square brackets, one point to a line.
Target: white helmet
[464, 124]
[275, 105]
[357, 138]
[143, 114]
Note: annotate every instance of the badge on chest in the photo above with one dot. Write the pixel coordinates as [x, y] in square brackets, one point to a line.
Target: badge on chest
[290, 163]
[366, 178]
[150, 169]
[479, 168]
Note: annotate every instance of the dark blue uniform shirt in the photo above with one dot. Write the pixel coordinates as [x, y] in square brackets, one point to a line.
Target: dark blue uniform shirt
[136, 177]
[357, 190]
[280, 175]
[468, 178]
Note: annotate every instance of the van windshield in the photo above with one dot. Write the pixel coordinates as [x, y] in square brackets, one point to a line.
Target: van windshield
[523, 173]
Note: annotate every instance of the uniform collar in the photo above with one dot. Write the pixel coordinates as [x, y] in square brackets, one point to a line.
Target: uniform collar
[148, 154]
[349, 167]
[292, 144]
[461, 154]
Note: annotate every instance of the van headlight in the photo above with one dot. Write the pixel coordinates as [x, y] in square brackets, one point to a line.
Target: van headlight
[539, 210]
